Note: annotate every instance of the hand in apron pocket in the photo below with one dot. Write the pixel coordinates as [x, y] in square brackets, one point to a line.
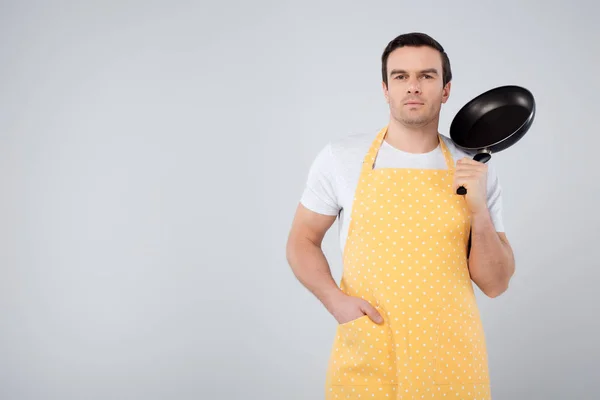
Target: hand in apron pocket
[362, 354]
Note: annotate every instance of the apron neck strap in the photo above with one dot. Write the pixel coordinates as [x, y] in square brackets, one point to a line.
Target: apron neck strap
[370, 157]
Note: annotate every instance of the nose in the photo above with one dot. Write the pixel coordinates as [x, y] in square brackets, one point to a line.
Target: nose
[414, 86]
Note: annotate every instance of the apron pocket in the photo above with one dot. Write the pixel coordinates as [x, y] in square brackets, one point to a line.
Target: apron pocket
[353, 321]
[362, 354]
[461, 356]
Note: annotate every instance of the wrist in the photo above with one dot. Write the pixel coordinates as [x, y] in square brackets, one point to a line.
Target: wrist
[482, 215]
[331, 297]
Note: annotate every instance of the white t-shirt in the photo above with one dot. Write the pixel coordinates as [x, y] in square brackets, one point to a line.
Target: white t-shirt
[335, 171]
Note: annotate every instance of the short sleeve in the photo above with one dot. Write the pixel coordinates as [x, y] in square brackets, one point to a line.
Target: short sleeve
[494, 198]
[320, 191]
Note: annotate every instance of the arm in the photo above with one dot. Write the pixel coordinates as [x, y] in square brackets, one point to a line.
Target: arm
[306, 258]
[491, 261]
[303, 250]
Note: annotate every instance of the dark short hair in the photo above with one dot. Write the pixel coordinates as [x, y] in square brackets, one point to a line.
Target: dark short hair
[416, 39]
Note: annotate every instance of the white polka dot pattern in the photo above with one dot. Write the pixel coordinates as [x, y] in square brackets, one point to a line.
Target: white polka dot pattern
[406, 255]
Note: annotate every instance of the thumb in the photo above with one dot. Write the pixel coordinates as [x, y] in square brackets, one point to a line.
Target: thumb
[372, 312]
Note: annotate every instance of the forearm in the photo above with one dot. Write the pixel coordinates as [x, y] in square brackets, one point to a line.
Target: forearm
[311, 268]
[491, 262]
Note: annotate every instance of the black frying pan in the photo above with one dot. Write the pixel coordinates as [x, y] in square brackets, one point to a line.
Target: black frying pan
[492, 122]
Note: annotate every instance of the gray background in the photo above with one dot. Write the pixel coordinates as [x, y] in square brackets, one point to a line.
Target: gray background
[152, 155]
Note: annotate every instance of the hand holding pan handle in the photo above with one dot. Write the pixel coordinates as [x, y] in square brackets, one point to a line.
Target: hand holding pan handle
[483, 157]
[492, 122]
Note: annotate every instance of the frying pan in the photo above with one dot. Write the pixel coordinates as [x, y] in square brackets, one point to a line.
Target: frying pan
[492, 122]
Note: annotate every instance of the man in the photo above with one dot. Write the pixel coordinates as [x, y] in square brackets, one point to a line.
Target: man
[408, 323]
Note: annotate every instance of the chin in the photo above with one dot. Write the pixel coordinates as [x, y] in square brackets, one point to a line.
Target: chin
[414, 121]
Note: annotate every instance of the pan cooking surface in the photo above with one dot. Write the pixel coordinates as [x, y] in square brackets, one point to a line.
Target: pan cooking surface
[493, 126]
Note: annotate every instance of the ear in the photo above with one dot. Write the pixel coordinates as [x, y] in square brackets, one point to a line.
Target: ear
[385, 92]
[446, 92]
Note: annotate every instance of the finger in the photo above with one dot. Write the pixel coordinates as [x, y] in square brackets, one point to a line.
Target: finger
[468, 171]
[469, 161]
[458, 184]
[372, 312]
[465, 182]
[466, 178]
[470, 167]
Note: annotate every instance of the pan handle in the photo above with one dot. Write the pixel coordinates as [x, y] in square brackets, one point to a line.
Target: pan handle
[483, 157]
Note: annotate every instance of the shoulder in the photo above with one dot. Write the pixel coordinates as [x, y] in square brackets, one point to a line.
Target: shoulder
[341, 153]
[344, 152]
[351, 144]
[456, 151]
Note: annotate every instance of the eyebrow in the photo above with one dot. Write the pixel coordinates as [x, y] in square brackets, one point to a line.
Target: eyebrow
[424, 71]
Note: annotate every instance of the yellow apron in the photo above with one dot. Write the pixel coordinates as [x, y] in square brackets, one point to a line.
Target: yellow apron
[406, 254]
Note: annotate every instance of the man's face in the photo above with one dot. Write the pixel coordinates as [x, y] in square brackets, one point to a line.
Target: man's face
[415, 89]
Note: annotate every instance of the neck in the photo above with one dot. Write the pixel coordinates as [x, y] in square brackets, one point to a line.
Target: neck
[422, 139]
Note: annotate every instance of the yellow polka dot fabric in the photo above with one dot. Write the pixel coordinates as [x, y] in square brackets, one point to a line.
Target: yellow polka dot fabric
[406, 254]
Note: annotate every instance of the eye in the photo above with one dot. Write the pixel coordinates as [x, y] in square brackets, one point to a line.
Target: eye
[399, 76]
[427, 76]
